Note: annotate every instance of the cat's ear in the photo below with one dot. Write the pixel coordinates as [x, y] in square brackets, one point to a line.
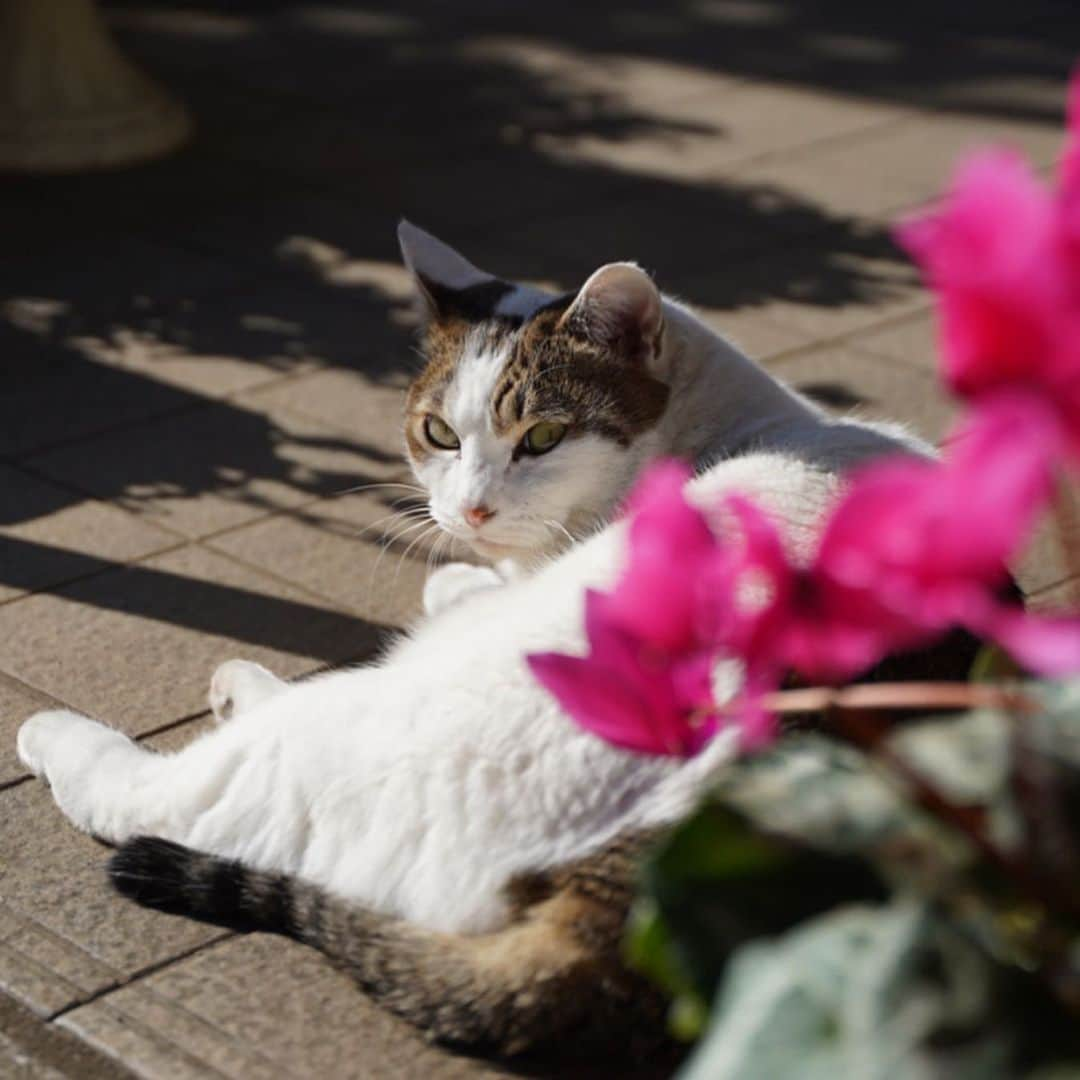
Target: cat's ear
[619, 308]
[439, 272]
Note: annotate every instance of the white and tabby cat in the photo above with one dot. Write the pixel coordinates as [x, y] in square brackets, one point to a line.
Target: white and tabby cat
[432, 820]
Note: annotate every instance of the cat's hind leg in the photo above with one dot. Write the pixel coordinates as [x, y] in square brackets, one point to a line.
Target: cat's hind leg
[240, 685]
[110, 786]
[97, 774]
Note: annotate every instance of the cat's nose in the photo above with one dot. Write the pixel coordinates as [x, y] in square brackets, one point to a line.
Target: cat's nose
[477, 515]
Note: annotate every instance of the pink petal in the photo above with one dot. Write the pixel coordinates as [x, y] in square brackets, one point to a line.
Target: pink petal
[990, 252]
[598, 701]
[1044, 645]
[658, 596]
[762, 545]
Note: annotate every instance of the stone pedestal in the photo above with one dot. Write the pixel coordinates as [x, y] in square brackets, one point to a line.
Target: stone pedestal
[70, 101]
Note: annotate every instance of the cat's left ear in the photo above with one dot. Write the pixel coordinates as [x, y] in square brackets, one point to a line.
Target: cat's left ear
[441, 274]
[619, 308]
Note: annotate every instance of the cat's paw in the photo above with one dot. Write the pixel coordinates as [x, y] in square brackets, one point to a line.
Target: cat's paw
[47, 736]
[450, 583]
[239, 685]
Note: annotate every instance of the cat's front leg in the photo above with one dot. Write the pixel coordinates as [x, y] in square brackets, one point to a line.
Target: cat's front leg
[240, 685]
[96, 772]
[451, 583]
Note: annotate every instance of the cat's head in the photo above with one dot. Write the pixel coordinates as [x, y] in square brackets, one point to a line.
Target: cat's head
[533, 411]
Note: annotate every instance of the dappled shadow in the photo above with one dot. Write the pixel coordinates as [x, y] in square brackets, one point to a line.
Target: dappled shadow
[267, 246]
[205, 606]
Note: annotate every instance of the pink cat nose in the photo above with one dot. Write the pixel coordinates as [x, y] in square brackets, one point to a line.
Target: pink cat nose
[477, 515]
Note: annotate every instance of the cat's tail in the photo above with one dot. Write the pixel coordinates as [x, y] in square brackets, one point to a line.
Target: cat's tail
[554, 975]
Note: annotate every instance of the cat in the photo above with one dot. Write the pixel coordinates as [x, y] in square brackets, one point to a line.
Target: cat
[432, 821]
[614, 376]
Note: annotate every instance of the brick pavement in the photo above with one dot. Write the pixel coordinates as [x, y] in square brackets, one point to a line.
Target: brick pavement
[200, 356]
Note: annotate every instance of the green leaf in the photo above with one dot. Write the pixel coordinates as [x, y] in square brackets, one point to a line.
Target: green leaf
[719, 881]
[861, 992]
[649, 949]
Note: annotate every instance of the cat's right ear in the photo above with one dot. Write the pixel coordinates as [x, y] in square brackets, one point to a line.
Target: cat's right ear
[619, 308]
[441, 275]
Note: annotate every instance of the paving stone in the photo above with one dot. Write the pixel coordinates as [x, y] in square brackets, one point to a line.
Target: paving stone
[57, 908]
[17, 1063]
[828, 295]
[706, 136]
[215, 467]
[49, 534]
[1051, 556]
[44, 971]
[31, 1049]
[137, 646]
[52, 395]
[321, 307]
[846, 379]
[143, 345]
[348, 401]
[261, 1006]
[1057, 599]
[638, 81]
[344, 549]
[748, 329]
[901, 165]
[98, 268]
[911, 341]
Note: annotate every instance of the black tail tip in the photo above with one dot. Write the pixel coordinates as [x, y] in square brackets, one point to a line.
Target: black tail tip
[150, 871]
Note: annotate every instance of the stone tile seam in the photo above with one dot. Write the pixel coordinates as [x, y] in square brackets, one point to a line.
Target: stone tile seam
[1043, 589]
[150, 1035]
[128, 979]
[843, 337]
[172, 1005]
[204, 543]
[23, 459]
[26, 959]
[168, 725]
[29, 467]
[26, 920]
[109, 567]
[807, 151]
[110, 429]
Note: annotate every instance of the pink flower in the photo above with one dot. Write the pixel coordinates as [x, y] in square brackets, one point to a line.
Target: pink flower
[629, 693]
[661, 596]
[790, 618]
[928, 544]
[1002, 253]
[911, 551]
[646, 683]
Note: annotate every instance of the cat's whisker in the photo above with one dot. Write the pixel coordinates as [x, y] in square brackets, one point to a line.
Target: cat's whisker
[560, 527]
[389, 543]
[405, 554]
[373, 487]
[397, 515]
[435, 549]
[394, 539]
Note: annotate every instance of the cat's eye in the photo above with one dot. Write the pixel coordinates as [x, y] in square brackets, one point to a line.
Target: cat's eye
[542, 437]
[439, 433]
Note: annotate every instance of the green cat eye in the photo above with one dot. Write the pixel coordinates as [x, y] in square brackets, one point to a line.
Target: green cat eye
[542, 437]
[439, 433]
